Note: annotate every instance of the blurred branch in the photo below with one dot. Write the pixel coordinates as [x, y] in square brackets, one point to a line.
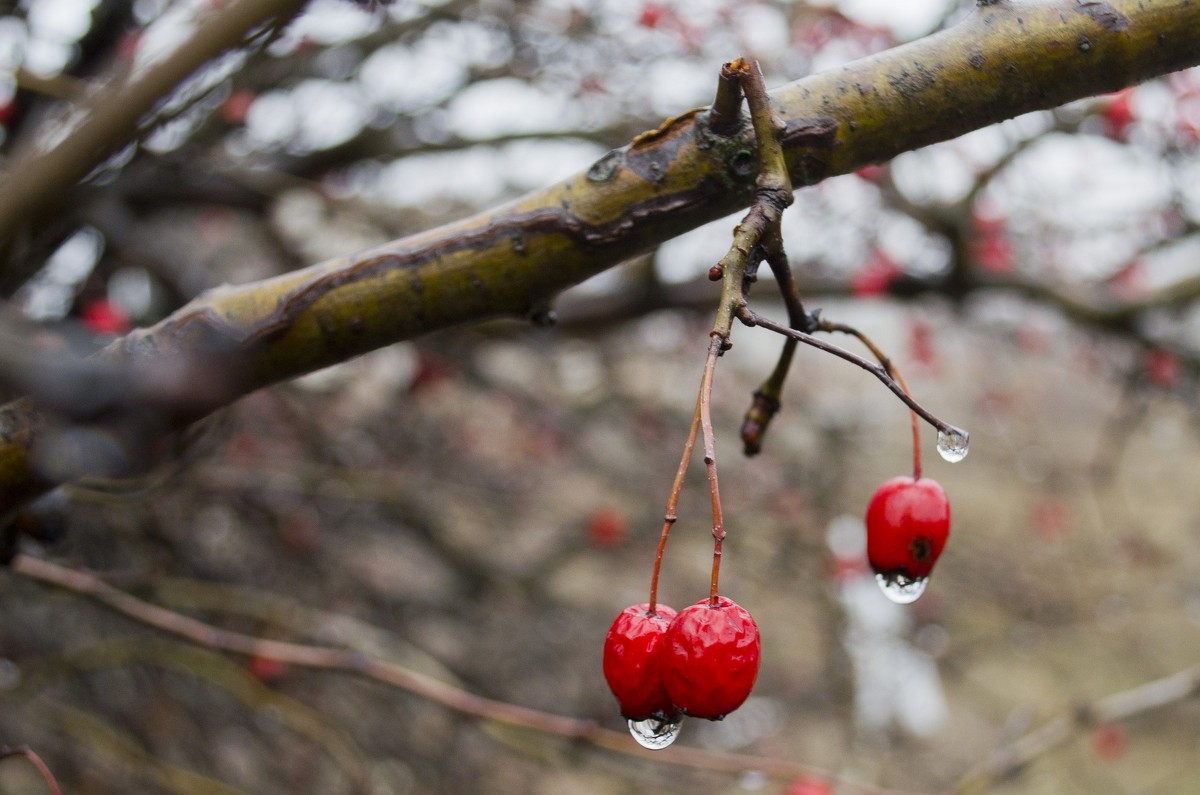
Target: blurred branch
[1012, 759]
[60, 86]
[219, 672]
[997, 63]
[111, 744]
[391, 490]
[388, 673]
[48, 166]
[883, 371]
[385, 144]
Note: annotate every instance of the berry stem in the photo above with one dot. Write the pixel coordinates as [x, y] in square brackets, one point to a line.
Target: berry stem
[710, 461]
[671, 513]
[752, 318]
[886, 363]
[756, 236]
[916, 426]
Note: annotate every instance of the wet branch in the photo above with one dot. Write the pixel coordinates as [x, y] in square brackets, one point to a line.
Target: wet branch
[751, 318]
[516, 258]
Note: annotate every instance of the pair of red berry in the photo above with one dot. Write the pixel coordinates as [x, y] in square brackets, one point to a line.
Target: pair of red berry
[700, 662]
[908, 522]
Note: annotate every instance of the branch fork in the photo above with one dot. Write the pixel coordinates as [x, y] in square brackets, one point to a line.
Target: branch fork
[758, 238]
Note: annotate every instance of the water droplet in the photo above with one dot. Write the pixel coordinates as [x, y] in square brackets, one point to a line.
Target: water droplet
[901, 589]
[655, 733]
[954, 446]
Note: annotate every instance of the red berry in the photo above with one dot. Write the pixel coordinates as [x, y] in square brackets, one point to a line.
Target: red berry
[607, 527]
[1118, 115]
[654, 15]
[633, 661]
[712, 658]
[236, 106]
[104, 317]
[907, 525]
[265, 669]
[876, 276]
[1110, 741]
[809, 786]
[1162, 367]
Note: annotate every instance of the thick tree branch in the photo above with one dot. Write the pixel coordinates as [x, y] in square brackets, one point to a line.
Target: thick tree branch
[1001, 61]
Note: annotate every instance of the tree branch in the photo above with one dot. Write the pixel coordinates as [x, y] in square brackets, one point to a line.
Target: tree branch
[41, 173]
[327, 658]
[1008, 761]
[1000, 61]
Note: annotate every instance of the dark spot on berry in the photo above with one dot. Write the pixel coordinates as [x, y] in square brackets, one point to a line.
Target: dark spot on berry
[921, 549]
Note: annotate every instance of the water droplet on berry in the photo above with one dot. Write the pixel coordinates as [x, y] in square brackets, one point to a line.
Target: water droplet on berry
[953, 446]
[655, 733]
[900, 588]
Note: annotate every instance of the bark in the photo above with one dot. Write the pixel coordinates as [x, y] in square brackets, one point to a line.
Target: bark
[1001, 61]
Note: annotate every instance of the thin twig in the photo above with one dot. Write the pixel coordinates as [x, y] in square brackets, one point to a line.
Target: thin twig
[710, 463]
[672, 512]
[766, 402]
[886, 363]
[757, 233]
[751, 318]
[1007, 761]
[773, 196]
[368, 667]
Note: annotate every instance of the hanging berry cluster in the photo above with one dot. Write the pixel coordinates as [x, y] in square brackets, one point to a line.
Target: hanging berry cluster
[703, 661]
[662, 665]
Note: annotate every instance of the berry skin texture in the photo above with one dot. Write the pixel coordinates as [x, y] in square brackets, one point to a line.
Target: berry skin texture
[633, 657]
[712, 658]
[908, 522]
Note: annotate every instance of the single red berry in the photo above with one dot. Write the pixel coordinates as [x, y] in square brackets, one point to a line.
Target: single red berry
[654, 14]
[8, 112]
[870, 173]
[1118, 115]
[1110, 741]
[712, 658]
[104, 317]
[809, 786]
[876, 276]
[236, 106]
[908, 522]
[265, 669]
[607, 527]
[1161, 367]
[633, 661]
[1051, 519]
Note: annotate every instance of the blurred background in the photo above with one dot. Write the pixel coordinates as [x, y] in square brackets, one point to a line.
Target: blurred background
[477, 505]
